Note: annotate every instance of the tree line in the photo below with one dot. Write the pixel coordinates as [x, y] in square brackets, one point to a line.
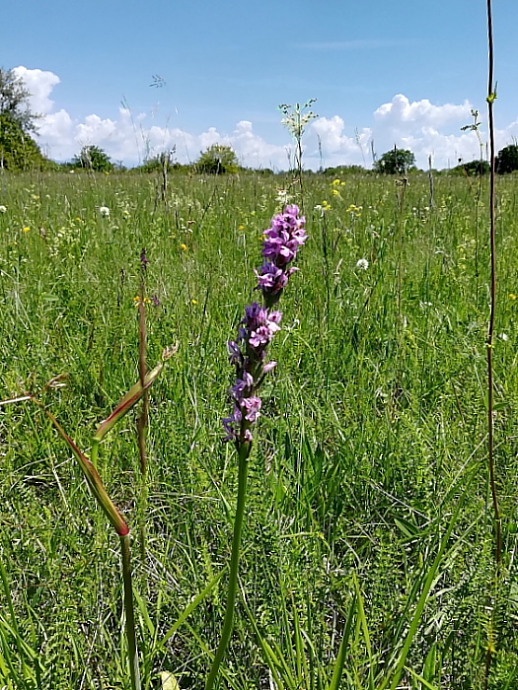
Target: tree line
[19, 150]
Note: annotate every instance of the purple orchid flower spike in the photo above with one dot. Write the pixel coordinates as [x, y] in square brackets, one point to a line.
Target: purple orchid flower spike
[282, 242]
[248, 353]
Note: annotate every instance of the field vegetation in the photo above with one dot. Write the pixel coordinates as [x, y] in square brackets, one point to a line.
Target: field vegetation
[369, 527]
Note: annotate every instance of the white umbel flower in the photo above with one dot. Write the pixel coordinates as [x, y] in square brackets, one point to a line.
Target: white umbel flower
[362, 264]
[104, 211]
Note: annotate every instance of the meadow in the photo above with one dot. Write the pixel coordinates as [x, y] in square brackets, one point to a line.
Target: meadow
[369, 515]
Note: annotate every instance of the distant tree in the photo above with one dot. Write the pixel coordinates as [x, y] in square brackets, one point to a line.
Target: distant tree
[18, 150]
[160, 162]
[93, 158]
[217, 159]
[14, 101]
[345, 170]
[472, 168]
[395, 162]
[507, 159]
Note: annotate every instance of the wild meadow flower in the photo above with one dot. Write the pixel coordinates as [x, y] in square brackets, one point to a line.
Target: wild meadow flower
[248, 353]
[283, 196]
[323, 208]
[282, 241]
[354, 210]
[362, 264]
[3, 209]
[138, 300]
[104, 211]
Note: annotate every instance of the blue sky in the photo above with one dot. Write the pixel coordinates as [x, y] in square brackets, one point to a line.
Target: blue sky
[404, 72]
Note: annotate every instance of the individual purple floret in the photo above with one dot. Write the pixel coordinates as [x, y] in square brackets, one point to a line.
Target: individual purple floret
[258, 328]
[282, 241]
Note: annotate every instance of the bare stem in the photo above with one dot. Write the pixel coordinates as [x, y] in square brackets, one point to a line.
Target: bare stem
[491, 96]
[142, 423]
[490, 337]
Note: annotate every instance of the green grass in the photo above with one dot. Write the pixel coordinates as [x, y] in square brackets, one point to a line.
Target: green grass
[368, 509]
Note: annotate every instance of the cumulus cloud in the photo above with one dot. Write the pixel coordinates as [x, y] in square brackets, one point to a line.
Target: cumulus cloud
[40, 85]
[422, 126]
[426, 129]
[400, 112]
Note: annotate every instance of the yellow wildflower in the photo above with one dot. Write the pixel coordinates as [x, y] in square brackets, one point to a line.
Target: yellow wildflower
[137, 300]
[355, 210]
[26, 228]
[194, 301]
[184, 247]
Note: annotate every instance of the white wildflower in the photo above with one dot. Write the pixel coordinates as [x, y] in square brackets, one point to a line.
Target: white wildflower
[283, 196]
[3, 209]
[362, 264]
[504, 337]
[104, 211]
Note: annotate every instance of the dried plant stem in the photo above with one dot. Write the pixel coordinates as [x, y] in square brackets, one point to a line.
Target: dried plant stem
[228, 623]
[491, 647]
[142, 423]
[143, 419]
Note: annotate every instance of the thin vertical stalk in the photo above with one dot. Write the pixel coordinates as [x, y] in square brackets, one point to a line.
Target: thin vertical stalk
[298, 161]
[431, 183]
[144, 416]
[490, 337]
[228, 622]
[491, 96]
[143, 419]
[129, 613]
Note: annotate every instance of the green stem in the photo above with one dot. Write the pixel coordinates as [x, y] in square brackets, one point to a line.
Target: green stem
[228, 623]
[94, 453]
[129, 613]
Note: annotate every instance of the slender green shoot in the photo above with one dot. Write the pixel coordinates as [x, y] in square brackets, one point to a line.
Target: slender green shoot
[228, 621]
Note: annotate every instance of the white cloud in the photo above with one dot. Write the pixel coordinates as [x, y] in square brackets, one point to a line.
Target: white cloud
[427, 130]
[40, 85]
[400, 112]
[422, 126]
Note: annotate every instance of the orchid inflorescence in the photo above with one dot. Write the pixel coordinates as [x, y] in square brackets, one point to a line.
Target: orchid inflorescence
[282, 242]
